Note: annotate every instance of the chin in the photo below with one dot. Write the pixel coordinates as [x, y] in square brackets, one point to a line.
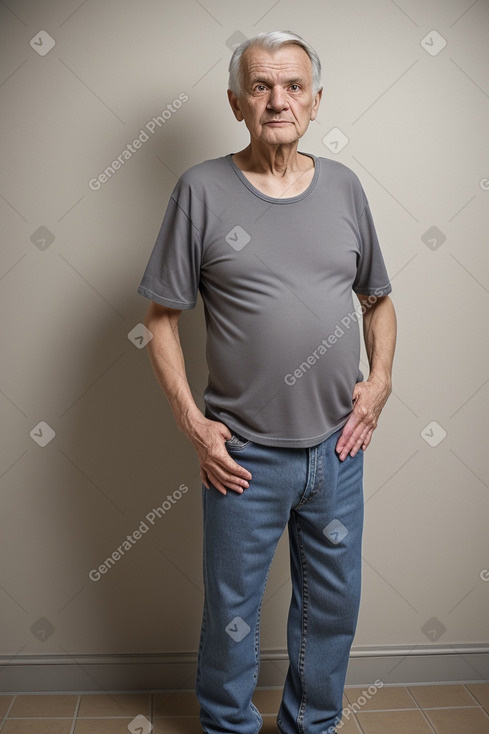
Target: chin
[279, 137]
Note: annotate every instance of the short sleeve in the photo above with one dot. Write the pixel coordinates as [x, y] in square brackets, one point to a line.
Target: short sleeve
[172, 274]
[371, 277]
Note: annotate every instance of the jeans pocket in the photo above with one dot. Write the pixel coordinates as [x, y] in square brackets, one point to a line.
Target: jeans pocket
[236, 443]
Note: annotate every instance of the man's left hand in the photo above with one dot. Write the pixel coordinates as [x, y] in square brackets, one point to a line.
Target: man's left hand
[369, 398]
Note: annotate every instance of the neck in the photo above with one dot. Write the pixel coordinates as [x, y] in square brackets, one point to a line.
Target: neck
[277, 160]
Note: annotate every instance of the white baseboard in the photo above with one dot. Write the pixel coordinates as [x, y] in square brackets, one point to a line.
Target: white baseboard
[153, 672]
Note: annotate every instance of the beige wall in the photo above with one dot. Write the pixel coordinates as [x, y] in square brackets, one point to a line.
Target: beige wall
[417, 128]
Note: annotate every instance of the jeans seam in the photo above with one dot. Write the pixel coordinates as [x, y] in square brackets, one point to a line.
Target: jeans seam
[302, 651]
[201, 646]
[257, 625]
[204, 615]
[257, 645]
[311, 477]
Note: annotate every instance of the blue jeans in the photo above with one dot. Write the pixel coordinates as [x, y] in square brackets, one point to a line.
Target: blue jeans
[321, 500]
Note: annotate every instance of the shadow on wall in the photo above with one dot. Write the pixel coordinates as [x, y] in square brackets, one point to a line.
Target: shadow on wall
[133, 525]
[116, 564]
[113, 564]
[142, 506]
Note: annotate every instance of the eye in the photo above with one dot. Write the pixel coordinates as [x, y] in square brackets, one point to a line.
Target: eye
[294, 88]
[260, 88]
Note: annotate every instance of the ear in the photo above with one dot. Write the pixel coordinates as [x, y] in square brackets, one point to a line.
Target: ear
[315, 107]
[234, 102]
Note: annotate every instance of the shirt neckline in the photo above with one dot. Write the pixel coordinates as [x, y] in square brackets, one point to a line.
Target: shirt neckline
[272, 199]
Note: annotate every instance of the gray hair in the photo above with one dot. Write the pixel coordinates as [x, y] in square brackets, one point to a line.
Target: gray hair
[272, 40]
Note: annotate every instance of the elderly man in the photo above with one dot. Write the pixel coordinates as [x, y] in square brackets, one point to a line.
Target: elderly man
[277, 242]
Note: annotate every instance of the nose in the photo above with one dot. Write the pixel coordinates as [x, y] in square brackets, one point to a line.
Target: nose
[277, 100]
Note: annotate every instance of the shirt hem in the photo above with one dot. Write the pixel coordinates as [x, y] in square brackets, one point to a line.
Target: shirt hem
[374, 291]
[291, 443]
[170, 302]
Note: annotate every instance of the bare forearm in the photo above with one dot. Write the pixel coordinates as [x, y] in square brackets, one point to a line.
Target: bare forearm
[207, 436]
[369, 397]
[166, 356]
[379, 330]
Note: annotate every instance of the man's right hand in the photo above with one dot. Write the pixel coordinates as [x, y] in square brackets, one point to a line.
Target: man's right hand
[216, 466]
[208, 437]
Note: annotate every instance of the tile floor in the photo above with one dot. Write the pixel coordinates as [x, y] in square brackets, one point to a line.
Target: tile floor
[425, 709]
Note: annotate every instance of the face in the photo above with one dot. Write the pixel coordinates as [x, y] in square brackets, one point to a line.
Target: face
[277, 102]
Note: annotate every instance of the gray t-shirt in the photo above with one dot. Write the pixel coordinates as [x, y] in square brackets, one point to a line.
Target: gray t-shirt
[276, 278]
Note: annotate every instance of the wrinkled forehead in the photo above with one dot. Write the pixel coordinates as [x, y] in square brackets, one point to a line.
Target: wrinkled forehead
[287, 62]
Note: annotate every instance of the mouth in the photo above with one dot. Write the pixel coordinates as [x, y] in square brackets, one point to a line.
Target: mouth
[278, 122]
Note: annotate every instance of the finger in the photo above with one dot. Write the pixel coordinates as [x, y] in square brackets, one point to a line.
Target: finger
[222, 485]
[215, 482]
[221, 472]
[354, 444]
[228, 474]
[231, 467]
[219, 487]
[367, 440]
[356, 447]
[233, 482]
[355, 435]
[243, 474]
[237, 489]
[347, 432]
